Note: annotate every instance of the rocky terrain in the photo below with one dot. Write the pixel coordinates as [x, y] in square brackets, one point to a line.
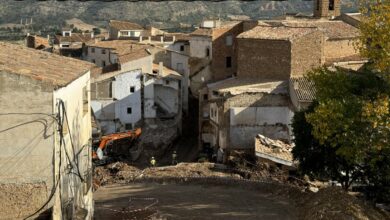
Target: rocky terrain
[166, 14]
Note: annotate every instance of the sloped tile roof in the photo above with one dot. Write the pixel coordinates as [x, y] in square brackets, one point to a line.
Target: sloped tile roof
[39, 65]
[125, 25]
[277, 32]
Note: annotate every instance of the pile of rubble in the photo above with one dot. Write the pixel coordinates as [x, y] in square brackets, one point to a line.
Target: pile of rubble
[334, 203]
[155, 140]
[120, 172]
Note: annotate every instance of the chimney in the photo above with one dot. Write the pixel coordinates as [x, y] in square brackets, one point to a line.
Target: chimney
[162, 39]
[160, 68]
[150, 39]
[28, 34]
[173, 38]
[92, 34]
[140, 38]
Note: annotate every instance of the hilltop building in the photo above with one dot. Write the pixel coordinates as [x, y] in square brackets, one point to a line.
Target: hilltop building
[46, 130]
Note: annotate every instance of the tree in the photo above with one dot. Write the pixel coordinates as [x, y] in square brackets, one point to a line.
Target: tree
[342, 134]
[375, 33]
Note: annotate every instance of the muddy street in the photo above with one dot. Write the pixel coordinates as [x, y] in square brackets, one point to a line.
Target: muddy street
[175, 201]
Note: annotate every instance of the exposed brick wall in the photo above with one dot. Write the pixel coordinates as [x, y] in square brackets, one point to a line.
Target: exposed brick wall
[339, 48]
[220, 51]
[307, 53]
[267, 59]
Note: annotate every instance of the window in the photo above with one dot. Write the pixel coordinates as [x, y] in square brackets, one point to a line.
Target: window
[65, 45]
[331, 5]
[103, 63]
[228, 62]
[92, 50]
[132, 89]
[85, 100]
[167, 82]
[67, 34]
[229, 40]
[318, 4]
[181, 47]
[128, 126]
[207, 52]
[205, 97]
[93, 61]
[129, 110]
[103, 51]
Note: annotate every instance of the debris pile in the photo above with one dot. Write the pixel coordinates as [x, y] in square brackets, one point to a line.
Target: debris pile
[155, 140]
[121, 172]
[334, 203]
[274, 150]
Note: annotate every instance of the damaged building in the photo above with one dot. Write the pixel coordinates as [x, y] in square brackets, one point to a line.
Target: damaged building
[46, 168]
[271, 58]
[257, 101]
[131, 91]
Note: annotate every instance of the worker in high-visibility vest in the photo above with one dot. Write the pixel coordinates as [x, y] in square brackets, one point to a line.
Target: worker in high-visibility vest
[152, 162]
[174, 158]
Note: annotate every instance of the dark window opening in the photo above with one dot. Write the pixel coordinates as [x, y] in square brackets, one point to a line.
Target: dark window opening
[103, 51]
[182, 48]
[103, 63]
[93, 61]
[129, 110]
[228, 62]
[128, 126]
[318, 5]
[205, 97]
[67, 34]
[331, 5]
[207, 52]
[92, 50]
[65, 45]
[167, 82]
[132, 89]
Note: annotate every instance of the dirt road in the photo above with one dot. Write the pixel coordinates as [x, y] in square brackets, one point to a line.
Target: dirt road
[172, 201]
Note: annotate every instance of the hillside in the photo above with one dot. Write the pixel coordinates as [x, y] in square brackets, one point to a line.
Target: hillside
[46, 14]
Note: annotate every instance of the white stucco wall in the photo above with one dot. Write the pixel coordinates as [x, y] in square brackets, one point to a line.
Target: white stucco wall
[260, 115]
[31, 150]
[271, 121]
[107, 110]
[156, 90]
[80, 134]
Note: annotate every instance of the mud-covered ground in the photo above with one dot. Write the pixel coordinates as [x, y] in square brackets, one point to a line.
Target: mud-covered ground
[180, 192]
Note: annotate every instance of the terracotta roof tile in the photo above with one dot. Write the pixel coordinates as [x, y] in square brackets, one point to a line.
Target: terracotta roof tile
[39, 65]
[277, 32]
[331, 29]
[126, 50]
[125, 25]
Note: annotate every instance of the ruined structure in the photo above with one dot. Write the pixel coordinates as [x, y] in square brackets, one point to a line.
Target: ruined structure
[69, 43]
[267, 86]
[45, 115]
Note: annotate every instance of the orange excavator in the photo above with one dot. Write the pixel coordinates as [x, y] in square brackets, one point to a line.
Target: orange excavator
[105, 141]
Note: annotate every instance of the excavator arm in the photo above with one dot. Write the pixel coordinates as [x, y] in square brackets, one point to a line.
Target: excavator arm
[133, 134]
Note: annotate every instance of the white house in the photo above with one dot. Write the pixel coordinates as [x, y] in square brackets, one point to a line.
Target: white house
[45, 135]
[116, 100]
[122, 29]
